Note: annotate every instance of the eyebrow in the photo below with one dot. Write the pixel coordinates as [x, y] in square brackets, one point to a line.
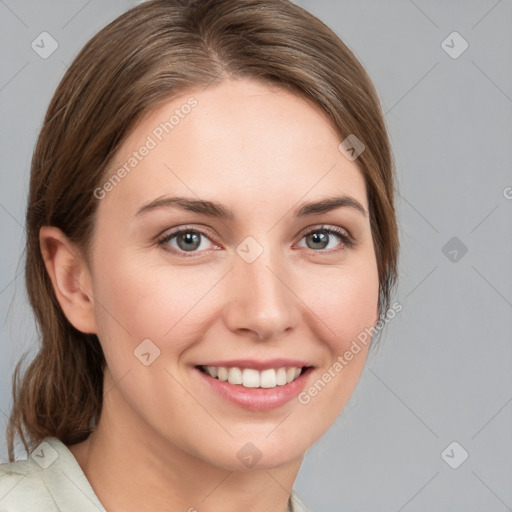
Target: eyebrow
[213, 209]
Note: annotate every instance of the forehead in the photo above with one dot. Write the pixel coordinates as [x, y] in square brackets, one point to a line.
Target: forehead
[241, 142]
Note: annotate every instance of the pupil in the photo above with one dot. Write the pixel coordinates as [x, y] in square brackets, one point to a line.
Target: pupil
[319, 238]
[191, 238]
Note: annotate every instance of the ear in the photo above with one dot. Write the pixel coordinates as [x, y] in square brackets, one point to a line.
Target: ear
[70, 278]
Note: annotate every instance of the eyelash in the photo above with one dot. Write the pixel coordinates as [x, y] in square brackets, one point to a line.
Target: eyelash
[347, 241]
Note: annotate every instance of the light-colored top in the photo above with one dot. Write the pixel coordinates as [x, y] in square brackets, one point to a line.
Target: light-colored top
[51, 480]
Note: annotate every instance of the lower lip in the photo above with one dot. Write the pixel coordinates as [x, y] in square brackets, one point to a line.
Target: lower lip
[256, 399]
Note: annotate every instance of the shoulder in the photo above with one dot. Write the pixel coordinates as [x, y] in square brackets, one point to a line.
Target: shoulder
[49, 480]
[296, 504]
[22, 488]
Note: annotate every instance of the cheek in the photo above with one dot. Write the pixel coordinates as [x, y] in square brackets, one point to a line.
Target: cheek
[345, 300]
[138, 301]
[357, 306]
[347, 312]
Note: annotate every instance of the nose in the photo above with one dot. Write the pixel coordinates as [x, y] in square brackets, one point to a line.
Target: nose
[261, 299]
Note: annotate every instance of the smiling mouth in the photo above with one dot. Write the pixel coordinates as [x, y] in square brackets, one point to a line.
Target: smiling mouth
[252, 378]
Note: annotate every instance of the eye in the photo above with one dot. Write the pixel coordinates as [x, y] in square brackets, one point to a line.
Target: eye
[187, 240]
[190, 240]
[320, 238]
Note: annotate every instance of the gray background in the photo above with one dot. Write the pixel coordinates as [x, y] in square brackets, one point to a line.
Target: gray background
[442, 370]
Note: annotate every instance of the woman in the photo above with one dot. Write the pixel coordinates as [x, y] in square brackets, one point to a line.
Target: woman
[210, 229]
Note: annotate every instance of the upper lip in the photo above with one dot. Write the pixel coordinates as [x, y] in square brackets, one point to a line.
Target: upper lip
[258, 364]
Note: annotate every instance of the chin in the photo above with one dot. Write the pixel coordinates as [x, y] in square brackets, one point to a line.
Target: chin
[266, 451]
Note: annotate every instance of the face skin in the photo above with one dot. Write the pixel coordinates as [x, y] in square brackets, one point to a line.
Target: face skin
[165, 440]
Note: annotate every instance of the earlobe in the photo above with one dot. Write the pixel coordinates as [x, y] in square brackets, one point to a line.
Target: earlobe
[70, 278]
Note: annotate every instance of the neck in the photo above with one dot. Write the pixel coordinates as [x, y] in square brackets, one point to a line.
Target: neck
[136, 470]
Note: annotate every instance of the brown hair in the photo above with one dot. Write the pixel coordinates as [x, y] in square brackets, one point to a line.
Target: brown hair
[139, 61]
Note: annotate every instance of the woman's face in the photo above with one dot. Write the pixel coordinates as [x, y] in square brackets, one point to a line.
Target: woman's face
[262, 288]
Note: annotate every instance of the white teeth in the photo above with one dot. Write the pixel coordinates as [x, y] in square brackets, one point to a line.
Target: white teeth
[268, 378]
[251, 378]
[281, 377]
[235, 376]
